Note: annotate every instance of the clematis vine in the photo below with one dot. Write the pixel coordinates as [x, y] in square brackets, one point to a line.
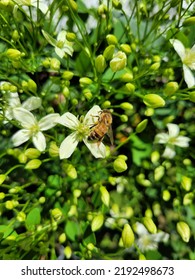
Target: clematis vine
[32, 129]
[13, 101]
[188, 59]
[171, 139]
[147, 241]
[81, 130]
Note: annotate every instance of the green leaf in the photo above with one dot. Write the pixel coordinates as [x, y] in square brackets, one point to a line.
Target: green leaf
[33, 218]
[49, 38]
[5, 231]
[140, 150]
[72, 230]
[89, 236]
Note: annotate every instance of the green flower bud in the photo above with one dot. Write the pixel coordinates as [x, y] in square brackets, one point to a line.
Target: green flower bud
[87, 93]
[155, 66]
[141, 126]
[108, 52]
[166, 195]
[9, 204]
[130, 87]
[105, 196]
[21, 216]
[62, 238]
[97, 222]
[150, 225]
[111, 39]
[159, 173]
[56, 213]
[2, 195]
[171, 88]
[67, 75]
[123, 118]
[142, 181]
[124, 157]
[184, 231]
[70, 36]
[73, 211]
[85, 81]
[189, 21]
[15, 35]
[22, 158]
[33, 164]
[155, 156]
[100, 63]
[153, 100]
[188, 198]
[53, 149]
[186, 183]
[116, 4]
[66, 91]
[119, 165]
[13, 54]
[126, 106]
[70, 171]
[187, 162]
[106, 104]
[192, 96]
[147, 61]
[118, 62]
[55, 64]
[15, 189]
[142, 257]
[2, 178]
[102, 9]
[76, 193]
[127, 236]
[32, 153]
[156, 58]
[125, 48]
[127, 77]
[73, 5]
[67, 252]
[42, 200]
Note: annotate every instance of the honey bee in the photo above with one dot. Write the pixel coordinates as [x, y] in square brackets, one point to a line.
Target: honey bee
[102, 127]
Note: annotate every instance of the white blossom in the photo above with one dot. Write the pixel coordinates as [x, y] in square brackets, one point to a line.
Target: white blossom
[81, 131]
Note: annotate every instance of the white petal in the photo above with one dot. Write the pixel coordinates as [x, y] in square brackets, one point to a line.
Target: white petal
[59, 52]
[160, 237]
[161, 138]
[188, 76]
[13, 99]
[69, 120]
[140, 229]
[48, 121]
[68, 146]
[39, 141]
[98, 151]
[20, 137]
[179, 47]
[32, 103]
[173, 130]
[182, 141]
[62, 36]
[43, 7]
[25, 117]
[92, 115]
[169, 152]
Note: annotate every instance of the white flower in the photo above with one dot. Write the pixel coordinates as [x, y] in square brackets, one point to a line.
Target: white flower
[35, 3]
[62, 45]
[81, 130]
[32, 128]
[171, 139]
[147, 241]
[188, 59]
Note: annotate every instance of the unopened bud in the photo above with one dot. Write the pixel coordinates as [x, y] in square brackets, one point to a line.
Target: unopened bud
[150, 225]
[125, 48]
[85, 81]
[56, 213]
[111, 39]
[53, 149]
[62, 238]
[123, 118]
[127, 77]
[9, 204]
[155, 156]
[2, 178]
[108, 52]
[70, 171]
[66, 91]
[33, 164]
[32, 153]
[159, 172]
[54, 64]
[130, 87]
[13, 54]
[119, 165]
[141, 126]
[171, 88]
[2, 195]
[67, 75]
[105, 196]
[97, 222]
[87, 93]
[15, 35]
[73, 5]
[189, 21]
[21, 216]
[118, 62]
[70, 36]
[126, 106]
[153, 100]
[127, 236]
[22, 158]
[184, 231]
[106, 104]
[155, 66]
[166, 195]
[100, 63]
[116, 4]
[68, 252]
[188, 198]
[186, 183]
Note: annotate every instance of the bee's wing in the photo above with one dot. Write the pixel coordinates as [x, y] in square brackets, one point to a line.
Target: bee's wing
[110, 135]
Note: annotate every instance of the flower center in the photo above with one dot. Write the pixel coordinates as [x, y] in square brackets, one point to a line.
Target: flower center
[82, 131]
[34, 129]
[60, 44]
